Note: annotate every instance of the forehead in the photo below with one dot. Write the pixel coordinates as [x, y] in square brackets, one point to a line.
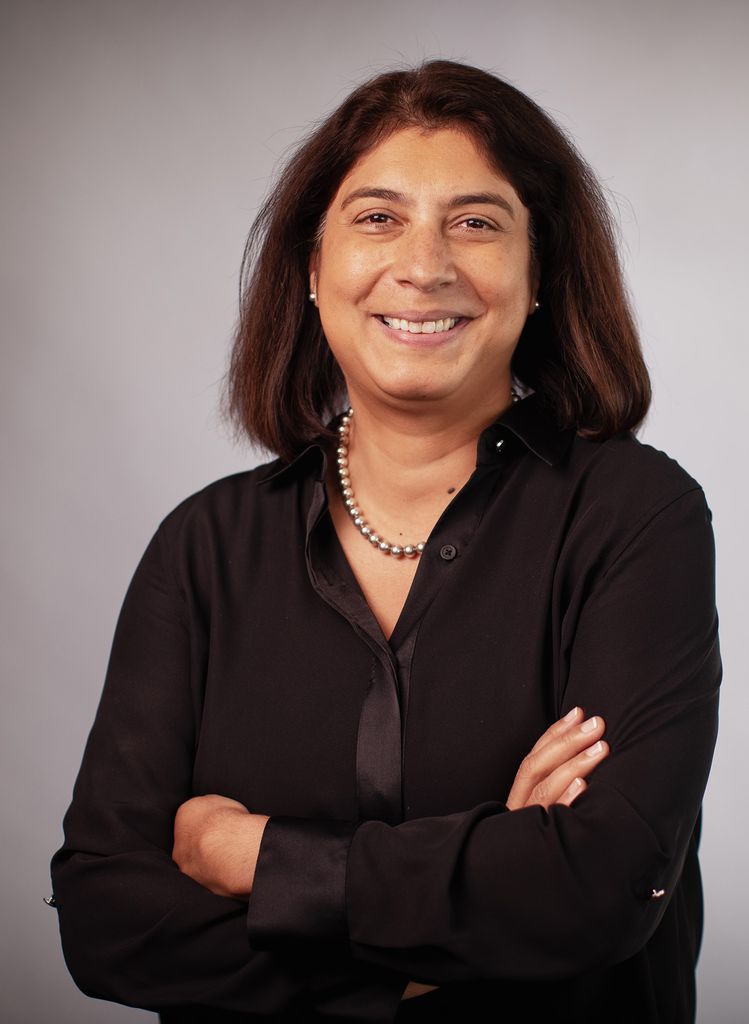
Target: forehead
[432, 160]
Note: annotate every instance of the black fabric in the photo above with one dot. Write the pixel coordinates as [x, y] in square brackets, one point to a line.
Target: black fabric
[246, 662]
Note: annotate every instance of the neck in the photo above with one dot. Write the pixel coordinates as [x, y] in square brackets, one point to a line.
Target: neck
[406, 464]
[415, 443]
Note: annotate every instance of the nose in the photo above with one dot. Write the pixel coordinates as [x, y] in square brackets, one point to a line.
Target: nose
[424, 259]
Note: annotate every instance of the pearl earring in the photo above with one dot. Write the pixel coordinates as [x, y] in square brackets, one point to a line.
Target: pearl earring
[536, 304]
[313, 296]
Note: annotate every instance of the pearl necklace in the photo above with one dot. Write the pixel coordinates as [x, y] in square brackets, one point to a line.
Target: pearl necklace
[349, 500]
[352, 507]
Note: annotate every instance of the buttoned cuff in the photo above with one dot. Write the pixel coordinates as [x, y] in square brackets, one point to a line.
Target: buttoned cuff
[299, 891]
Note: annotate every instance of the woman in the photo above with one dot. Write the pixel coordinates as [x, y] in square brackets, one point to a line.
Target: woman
[328, 672]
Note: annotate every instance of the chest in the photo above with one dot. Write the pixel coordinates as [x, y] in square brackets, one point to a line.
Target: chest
[384, 581]
[304, 712]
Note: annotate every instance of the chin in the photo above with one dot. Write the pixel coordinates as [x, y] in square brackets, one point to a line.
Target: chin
[414, 390]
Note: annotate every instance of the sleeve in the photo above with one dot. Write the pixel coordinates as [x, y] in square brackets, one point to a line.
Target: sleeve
[134, 928]
[530, 894]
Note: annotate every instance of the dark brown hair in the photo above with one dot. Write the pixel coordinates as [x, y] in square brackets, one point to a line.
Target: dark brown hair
[580, 351]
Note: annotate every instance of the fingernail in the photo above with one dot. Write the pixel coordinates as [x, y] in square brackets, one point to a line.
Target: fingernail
[571, 715]
[589, 726]
[595, 750]
[574, 791]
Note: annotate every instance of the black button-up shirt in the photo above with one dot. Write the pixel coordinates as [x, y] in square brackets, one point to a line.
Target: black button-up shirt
[246, 662]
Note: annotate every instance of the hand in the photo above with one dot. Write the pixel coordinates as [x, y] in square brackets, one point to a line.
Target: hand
[417, 988]
[554, 772]
[217, 842]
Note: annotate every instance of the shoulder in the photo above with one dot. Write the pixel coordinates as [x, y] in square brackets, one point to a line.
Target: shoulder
[230, 531]
[627, 475]
[621, 490]
[225, 505]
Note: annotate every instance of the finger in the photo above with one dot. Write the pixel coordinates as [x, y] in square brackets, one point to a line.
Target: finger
[573, 791]
[539, 765]
[550, 790]
[564, 745]
[563, 725]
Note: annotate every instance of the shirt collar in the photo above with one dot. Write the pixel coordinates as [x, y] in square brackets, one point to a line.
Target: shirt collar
[528, 420]
[312, 455]
[532, 423]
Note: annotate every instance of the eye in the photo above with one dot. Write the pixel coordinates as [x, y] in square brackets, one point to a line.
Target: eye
[478, 224]
[375, 220]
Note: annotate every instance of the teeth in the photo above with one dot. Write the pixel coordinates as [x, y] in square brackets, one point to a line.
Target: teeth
[421, 326]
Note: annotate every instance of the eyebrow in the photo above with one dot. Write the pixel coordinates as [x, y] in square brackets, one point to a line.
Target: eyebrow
[468, 199]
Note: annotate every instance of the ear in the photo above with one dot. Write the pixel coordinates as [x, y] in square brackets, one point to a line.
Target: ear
[535, 287]
[312, 271]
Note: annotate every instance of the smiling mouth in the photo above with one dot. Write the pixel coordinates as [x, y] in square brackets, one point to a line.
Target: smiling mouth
[422, 326]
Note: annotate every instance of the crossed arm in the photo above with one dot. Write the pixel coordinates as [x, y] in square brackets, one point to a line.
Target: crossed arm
[217, 840]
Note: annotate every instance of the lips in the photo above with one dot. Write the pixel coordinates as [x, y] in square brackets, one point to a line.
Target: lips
[437, 322]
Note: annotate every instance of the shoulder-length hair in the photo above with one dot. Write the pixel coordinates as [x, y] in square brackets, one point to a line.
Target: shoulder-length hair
[580, 350]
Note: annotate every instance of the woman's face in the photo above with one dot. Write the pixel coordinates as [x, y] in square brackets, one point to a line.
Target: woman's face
[424, 277]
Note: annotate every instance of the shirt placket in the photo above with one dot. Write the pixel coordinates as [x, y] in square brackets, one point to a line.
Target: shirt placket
[381, 730]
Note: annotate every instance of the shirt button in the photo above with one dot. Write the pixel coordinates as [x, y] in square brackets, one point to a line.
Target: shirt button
[448, 552]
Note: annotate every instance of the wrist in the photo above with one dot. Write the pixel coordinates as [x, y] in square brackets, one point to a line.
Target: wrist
[258, 823]
[230, 845]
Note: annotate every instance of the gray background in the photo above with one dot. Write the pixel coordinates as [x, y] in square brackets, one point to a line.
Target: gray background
[138, 139]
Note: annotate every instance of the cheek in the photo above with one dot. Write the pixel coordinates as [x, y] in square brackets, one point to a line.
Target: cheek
[500, 272]
[340, 320]
[506, 293]
[348, 270]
